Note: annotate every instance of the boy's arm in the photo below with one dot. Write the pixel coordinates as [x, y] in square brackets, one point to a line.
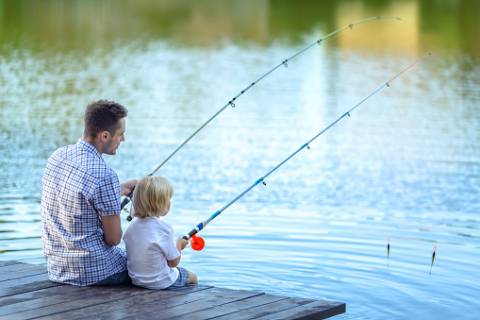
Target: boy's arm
[181, 244]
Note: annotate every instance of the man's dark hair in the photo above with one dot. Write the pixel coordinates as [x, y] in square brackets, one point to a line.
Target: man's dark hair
[103, 115]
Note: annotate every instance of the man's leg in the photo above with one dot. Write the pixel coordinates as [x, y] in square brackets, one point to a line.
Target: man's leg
[116, 279]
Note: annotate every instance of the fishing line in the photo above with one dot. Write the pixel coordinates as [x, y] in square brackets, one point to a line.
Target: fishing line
[232, 101]
[198, 243]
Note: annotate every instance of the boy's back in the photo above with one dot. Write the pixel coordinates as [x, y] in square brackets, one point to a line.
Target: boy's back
[150, 242]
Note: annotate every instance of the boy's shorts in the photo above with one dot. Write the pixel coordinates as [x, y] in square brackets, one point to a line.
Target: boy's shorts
[182, 280]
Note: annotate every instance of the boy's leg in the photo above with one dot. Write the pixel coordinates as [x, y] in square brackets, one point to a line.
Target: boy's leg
[185, 278]
[192, 278]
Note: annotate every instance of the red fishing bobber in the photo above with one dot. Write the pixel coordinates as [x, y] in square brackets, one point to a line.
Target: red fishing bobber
[197, 243]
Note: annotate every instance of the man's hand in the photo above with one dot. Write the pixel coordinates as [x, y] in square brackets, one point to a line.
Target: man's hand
[128, 186]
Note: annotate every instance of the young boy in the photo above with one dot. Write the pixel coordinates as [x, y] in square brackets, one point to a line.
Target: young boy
[153, 254]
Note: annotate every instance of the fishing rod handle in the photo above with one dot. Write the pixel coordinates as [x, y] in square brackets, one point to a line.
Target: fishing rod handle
[190, 234]
[195, 230]
[125, 201]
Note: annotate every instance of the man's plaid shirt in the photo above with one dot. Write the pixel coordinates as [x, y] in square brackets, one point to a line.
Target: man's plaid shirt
[78, 188]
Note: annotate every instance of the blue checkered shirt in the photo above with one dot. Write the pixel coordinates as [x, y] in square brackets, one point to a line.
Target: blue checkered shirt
[78, 188]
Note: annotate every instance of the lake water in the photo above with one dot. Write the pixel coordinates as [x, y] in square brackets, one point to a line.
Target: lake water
[404, 169]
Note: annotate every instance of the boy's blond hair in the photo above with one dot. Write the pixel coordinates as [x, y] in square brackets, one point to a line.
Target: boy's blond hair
[151, 197]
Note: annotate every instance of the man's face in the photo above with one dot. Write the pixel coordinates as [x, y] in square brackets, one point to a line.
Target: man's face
[113, 141]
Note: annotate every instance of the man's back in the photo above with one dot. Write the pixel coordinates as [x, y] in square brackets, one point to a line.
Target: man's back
[78, 188]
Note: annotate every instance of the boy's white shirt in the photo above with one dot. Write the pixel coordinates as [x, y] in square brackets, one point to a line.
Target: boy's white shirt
[150, 242]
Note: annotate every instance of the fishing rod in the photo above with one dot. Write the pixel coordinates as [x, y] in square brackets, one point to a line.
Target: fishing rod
[197, 243]
[231, 102]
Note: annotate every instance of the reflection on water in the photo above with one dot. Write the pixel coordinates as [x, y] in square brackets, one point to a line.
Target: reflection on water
[83, 25]
[405, 167]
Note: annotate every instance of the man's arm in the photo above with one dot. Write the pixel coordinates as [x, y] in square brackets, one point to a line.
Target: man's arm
[106, 203]
[112, 230]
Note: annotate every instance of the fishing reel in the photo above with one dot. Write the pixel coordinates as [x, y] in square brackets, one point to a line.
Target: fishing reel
[196, 243]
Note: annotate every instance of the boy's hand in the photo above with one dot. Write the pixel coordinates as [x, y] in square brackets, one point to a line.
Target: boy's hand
[181, 244]
[128, 186]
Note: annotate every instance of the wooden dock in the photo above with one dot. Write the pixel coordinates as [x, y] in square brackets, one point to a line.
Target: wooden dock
[26, 293]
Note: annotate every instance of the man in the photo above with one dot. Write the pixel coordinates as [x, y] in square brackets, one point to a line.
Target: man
[81, 204]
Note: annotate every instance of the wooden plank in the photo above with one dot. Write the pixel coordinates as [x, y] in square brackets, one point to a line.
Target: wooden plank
[231, 309]
[37, 285]
[19, 271]
[52, 296]
[197, 301]
[35, 303]
[157, 303]
[25, 280]
[8, 262]
[42, 293]
[313, 310]
[267, 309]
[26, 292]
[25, 284]
[124, 307]
[80, 298]
[20, 266]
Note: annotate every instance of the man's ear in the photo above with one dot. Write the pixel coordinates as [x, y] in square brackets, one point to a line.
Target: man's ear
[104, 135]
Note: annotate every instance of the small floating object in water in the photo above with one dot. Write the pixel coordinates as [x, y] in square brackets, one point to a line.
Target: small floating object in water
[388, 249]
[433, 259]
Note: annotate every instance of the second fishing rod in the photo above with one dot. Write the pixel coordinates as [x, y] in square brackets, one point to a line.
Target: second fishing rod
[233, 100]
[197, 243]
